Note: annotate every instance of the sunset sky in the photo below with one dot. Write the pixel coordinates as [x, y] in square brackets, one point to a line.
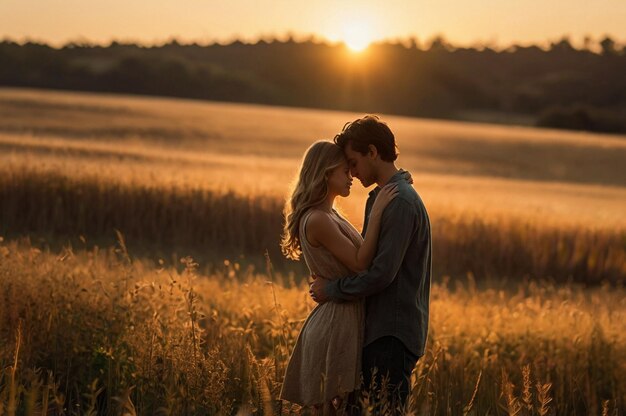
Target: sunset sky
[358, 22]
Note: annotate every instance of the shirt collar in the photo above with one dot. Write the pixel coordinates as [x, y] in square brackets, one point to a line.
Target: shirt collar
[395, 178]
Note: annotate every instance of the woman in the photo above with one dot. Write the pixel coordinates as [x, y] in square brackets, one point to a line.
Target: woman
[326, 361]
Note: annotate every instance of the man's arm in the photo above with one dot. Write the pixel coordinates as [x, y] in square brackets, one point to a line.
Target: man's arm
[396, 231]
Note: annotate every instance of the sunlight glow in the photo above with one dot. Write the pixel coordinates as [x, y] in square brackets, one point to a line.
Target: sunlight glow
[357, 35]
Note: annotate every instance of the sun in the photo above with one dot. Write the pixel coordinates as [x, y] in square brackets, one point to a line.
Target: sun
[357, 35]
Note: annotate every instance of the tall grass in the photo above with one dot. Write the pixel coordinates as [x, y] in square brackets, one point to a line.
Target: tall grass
[99, 332]
[212, 226]
[208, 224]
[86, 329]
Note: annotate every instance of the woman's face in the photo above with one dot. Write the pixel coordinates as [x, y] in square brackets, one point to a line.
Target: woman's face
[340, 180]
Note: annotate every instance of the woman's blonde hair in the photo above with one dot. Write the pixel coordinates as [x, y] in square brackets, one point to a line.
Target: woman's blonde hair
[310, 189]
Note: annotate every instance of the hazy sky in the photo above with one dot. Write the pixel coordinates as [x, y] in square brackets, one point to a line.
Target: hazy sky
[461, 21]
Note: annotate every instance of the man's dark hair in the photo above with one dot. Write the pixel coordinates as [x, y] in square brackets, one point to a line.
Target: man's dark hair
[365, 131]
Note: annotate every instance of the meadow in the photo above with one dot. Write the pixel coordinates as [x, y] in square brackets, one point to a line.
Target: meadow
[103, 198]
[100, 332]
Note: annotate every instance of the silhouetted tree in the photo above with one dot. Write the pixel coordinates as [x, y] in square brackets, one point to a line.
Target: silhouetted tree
[562, 45]
[442, 81]
[608, 46]
[439, 43]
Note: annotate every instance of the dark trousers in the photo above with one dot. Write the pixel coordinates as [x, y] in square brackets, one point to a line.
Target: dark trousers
[386, 358]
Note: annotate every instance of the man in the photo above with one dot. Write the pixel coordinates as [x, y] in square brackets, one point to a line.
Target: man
[397, 285]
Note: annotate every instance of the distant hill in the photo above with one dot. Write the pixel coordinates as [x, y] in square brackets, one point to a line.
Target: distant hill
[560, 87]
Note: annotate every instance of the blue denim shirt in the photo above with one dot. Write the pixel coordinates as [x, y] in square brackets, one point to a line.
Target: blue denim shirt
[396, 287]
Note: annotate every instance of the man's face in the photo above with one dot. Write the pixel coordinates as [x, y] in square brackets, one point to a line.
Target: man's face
[361, 166]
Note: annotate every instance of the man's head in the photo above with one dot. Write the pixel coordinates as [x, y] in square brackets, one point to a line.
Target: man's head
[368, 143]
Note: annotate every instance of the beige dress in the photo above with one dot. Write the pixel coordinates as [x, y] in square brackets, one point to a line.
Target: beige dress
[326, 360]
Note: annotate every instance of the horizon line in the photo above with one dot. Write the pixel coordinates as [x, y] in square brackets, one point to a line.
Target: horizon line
[408, 41]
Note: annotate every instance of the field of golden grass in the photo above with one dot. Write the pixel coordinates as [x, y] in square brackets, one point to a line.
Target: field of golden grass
[99, 332]
[504, 201]
[546, 175]
[529, 243]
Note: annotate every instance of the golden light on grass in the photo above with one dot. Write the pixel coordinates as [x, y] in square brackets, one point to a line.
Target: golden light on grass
[510, 208]
[459, 167]
[212, 339]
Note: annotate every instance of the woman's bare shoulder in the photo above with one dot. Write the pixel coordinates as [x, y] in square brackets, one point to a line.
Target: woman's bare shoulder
[318, 224]
[319, 218]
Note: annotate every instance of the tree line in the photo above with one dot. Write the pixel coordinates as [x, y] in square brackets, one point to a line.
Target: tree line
[560, 86]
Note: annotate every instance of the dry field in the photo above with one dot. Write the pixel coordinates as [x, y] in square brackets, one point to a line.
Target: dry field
[528, 312]
[504, 201]
[99, 333]
[461, 168]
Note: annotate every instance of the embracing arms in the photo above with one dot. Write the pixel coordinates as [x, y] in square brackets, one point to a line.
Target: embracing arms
[321, 230]
[399, 223]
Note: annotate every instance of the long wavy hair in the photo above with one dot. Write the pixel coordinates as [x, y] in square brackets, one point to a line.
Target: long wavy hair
[309, 190]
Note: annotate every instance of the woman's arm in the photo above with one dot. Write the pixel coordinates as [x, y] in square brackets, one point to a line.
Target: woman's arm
[322, 230]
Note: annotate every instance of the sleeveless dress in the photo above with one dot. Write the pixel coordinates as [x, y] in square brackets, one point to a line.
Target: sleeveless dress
[326, 360]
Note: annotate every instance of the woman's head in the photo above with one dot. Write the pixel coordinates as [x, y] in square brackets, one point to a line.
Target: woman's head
[324, 171]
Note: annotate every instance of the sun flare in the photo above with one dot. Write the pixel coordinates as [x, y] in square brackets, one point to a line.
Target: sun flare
[357, 36]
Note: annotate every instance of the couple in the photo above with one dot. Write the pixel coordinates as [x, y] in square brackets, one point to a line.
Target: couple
[373, 288]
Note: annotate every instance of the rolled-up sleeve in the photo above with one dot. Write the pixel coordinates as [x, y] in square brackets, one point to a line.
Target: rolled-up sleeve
[396, 232]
